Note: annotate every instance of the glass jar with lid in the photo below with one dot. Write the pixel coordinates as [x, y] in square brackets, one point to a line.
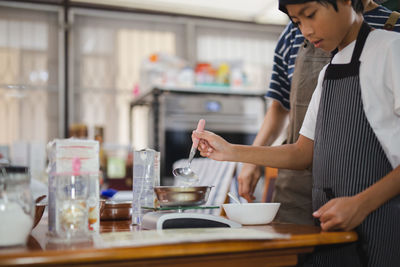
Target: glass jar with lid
[16, 206]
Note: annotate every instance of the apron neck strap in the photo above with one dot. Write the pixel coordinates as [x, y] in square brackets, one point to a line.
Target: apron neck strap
[361, 38]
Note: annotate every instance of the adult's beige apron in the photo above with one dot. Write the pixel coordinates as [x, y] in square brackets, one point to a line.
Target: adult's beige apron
[293, 188]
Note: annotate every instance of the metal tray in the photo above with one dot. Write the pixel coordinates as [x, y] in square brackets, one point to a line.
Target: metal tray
[181, 196]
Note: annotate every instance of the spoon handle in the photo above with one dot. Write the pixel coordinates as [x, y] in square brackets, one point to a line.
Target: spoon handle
[200, 128]
[193, 149]
[191, 155]
[234, 198]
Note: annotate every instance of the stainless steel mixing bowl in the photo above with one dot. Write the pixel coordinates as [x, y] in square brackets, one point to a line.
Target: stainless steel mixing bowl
[182, 196]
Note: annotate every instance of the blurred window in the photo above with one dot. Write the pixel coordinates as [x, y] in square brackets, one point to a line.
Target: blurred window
[29, 89]
[106, 51]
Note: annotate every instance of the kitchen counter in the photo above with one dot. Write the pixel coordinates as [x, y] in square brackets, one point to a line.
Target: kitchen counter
[275, 252]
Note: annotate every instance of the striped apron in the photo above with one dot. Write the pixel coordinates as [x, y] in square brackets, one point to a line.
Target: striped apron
[348, 158]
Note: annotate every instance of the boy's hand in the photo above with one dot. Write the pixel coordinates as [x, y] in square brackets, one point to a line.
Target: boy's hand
[213, 146]
[343, 213]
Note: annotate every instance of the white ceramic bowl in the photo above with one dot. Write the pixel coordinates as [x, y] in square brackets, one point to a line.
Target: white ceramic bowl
[251, 213]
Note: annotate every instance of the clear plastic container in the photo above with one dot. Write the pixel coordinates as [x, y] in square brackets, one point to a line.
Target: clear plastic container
[16, 206]
[146, 175]
[62, 153]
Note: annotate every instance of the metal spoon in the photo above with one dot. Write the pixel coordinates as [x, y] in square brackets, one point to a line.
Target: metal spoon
[185, 174]
[234, 198]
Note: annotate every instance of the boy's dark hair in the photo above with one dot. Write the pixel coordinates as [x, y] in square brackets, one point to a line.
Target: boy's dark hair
[357, 4]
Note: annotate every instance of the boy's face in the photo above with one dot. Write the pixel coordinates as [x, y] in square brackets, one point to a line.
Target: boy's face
[322, 25]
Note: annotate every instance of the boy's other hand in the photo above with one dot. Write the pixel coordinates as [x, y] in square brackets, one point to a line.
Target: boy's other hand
[213, 146]
[343, 213]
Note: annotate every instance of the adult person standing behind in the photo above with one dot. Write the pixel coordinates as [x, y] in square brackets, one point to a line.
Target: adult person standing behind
[391, 4]
[297, 64]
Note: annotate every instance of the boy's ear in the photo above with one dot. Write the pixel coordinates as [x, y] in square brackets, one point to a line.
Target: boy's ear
[347, 2]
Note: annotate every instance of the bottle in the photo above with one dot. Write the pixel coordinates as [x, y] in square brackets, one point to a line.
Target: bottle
[146, 175]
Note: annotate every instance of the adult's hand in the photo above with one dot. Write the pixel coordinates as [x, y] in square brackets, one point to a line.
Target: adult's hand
[343, 213]
[248, 179]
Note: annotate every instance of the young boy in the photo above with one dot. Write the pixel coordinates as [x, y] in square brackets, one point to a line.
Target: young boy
[296, 66]
[350, 135]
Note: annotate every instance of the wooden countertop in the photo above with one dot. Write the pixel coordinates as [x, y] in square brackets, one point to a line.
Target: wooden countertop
[278, 252]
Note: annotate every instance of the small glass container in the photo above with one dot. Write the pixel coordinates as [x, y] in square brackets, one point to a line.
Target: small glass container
[16, 206]
[146, 175]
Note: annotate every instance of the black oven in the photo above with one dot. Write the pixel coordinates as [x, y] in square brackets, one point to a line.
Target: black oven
[173, 115]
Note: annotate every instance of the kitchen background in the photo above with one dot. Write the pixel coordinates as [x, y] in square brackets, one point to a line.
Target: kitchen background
[91, 69]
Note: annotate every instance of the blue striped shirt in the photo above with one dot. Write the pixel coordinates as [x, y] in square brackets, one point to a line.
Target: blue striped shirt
[286, 52]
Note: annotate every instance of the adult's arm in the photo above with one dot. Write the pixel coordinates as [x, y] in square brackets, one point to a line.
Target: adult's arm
[274, 121]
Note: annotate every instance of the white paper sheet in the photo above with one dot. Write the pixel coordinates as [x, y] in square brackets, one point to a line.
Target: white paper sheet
[171, 236]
